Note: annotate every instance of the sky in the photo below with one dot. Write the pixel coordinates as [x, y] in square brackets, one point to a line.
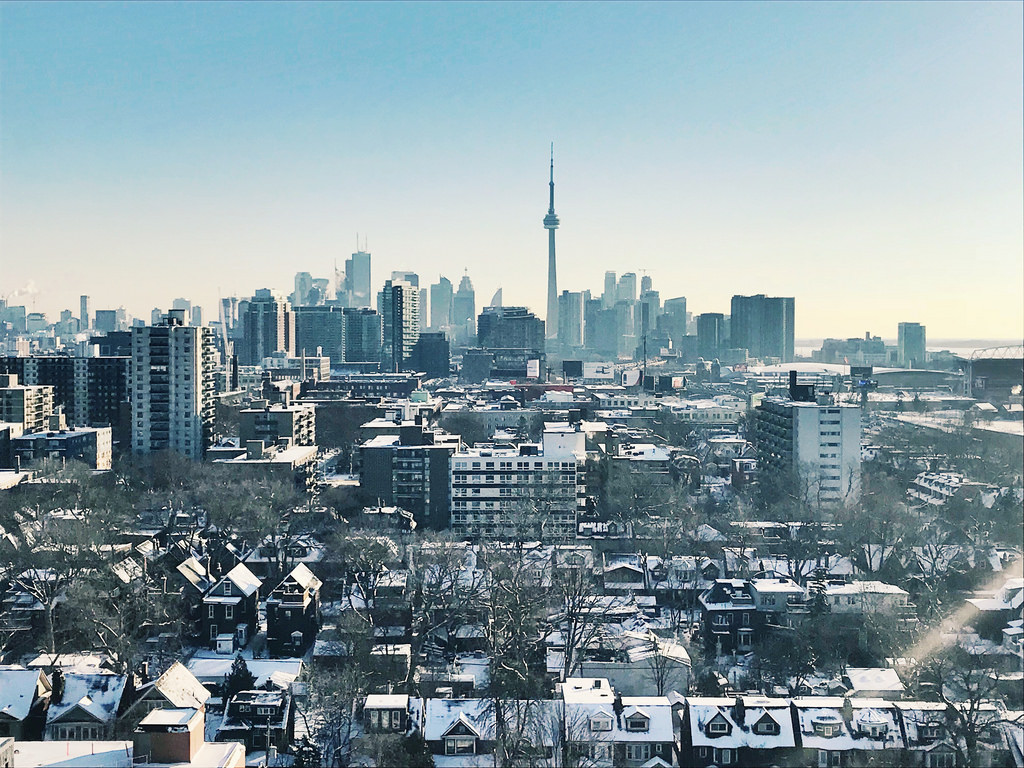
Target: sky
[865, 158]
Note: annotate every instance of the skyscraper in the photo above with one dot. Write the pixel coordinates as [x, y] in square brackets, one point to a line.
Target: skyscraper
[551, 224]
[357, 279]
[763, 325]
[441, 295]
[710, 335]
[399, 307]
[464, 311]
[609, 297]
[627, 287]
[84, 313]
[269, 327]
[911, 345]
[570, 319]
[172, 387]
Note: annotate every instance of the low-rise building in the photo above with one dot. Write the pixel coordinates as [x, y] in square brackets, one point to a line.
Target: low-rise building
[92, 446]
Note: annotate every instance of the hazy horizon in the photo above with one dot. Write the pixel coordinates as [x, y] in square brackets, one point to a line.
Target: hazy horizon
[864, 158]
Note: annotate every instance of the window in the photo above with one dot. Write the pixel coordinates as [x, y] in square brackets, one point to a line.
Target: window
[746, 619]
[264, 710]
[600, 723]
[941, 760]
[702, 751]
[460, 745]
[227, 588]
[767, 727]
[718, 726]
[720, 620]
[638, 751]
[229, 612]
[636, 723]
[928, 732]
[829, 759]
[723, 756]
[211, 612]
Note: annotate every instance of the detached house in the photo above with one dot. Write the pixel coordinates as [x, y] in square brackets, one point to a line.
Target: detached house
[24, 694]
[230, 606]
[259, 719]
[86, 706]
[293, 613]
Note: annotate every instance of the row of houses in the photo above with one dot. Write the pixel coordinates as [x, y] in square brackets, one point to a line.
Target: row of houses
[589, 723]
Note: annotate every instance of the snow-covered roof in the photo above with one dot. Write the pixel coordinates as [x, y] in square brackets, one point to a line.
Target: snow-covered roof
[440, 715]
[244, 579]
[181, 688]
[304, 577]
[865, 588]
[96, 695]
[755, 709]
[386, 701]
[214, 670]
[874, 679]
[18, 687]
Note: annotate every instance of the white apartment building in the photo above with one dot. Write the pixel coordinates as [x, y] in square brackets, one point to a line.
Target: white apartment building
[172, 387]
[26, 404]
[492, 487]
[820, 442]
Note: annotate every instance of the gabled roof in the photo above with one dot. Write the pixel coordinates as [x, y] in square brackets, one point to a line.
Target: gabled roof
[96, 696]
[18, 690]
[180, 687]
[304, 577]
[195, 574]
[244, 579]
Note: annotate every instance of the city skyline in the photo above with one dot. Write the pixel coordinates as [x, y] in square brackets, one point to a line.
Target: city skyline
[726, 167]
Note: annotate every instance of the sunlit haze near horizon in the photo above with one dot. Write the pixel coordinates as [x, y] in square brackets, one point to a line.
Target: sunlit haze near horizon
[865, 158]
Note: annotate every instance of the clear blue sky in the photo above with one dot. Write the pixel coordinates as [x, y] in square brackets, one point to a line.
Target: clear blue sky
[863, 157]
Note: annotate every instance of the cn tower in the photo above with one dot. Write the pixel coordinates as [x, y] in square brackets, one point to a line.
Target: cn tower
[551, 224]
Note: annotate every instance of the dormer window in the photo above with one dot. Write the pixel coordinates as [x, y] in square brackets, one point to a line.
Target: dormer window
[766, 726]
[637, 723]
[874, 730]
[718, 726]
[827, 726]
[600, 723]
[929, 732]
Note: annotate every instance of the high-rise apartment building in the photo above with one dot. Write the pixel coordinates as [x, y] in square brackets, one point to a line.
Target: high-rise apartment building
[320, 331]
[510, 328]
[362, 335]
[764, 326]
[570, 319]
[411, 470]
[90, 390]
[268, 327]
[710, 335]
[911, 345]
[812, 441]
[399, 307]
[29, 405]
[494, 490]
[172, 387]
[673, 320]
